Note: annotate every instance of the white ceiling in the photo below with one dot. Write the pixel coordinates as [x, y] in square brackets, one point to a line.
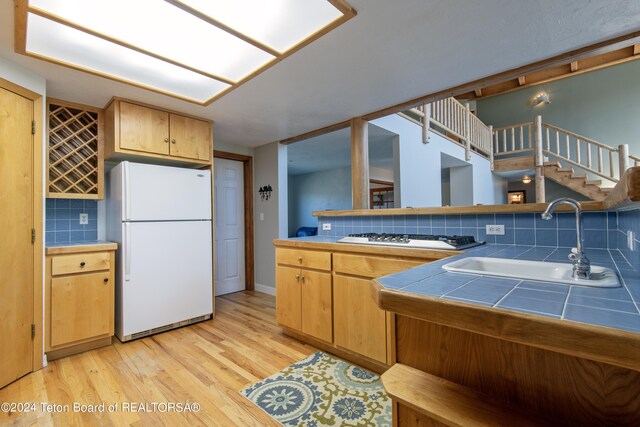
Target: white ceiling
[333, 151]
[391, 52]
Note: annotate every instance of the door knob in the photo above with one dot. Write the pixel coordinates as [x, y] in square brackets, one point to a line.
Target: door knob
[82, 264]
[106, 279]
[166, 140]
[299, 259]
[297, 277]
[173, 141]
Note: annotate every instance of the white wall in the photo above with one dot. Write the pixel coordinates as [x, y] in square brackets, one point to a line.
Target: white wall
[270, 168]
[418, 167]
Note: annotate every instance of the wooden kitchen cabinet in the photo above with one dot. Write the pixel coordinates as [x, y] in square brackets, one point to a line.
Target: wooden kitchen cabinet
[139, 130]
[304, 296]
[79, 298]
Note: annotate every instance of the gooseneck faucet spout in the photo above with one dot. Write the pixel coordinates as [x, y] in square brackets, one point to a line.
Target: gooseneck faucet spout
[581, 264]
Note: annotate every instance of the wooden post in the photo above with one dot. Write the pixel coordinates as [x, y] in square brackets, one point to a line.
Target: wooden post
[467, 131]
[539, 160]
[426, 121]
[491, 146]
[359, 164]
[623, 159]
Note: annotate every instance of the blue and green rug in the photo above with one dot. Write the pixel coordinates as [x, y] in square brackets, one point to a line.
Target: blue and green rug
[322, 390]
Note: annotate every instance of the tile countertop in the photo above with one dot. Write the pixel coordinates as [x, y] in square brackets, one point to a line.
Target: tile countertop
[83, 243]
[615, 308]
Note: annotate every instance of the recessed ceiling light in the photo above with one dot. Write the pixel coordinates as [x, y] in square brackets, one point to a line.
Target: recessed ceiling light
[195, 50]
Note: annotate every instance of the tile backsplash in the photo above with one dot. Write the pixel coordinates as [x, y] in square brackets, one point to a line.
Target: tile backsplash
[601, 228]
[62, 223]
[628, 235]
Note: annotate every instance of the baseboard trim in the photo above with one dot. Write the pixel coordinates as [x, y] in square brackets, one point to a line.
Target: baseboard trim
[264, 289]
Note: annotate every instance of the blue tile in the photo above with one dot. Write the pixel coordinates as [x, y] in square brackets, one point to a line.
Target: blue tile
[469, 232]
[50, 204]
[546, 224]
[612, 239]
[91, 204]
[546, 237]
[387, 221]
[594, 220]
[438, 221]
[607, 318]
[76, 236]
[542, 286]
[532, 305]
[62, 236]
[484, 289]
[411, 230]
[62, 213]
[49, 237]
[49, 225]
[62, 204]
[424, 221]
[399, 222]
[440, 284]
[439, 231]
[505, 219]
[411, 220]
[91, 235]
[50, 213]
[507, 239]
[567, 220]
[76, 204]
[486, 219]
[62, 225]
[483, 237]
[608, 304]
[612, 220]
[606, 293]
[523, 220]
[453, 231]
[538, 294]
[469, 221]
[468, 301]
[595, 239]
[567, 238]
[524, 236]
[452, 221]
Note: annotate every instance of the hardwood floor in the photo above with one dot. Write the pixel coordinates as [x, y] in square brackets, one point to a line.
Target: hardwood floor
[207, 363]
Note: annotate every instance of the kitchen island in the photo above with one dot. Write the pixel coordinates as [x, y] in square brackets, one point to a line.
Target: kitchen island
[568, 354]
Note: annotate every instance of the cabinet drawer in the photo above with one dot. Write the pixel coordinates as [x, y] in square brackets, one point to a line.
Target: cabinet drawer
[68, 264]
[304, 258]
[81, 307]
[373, 267]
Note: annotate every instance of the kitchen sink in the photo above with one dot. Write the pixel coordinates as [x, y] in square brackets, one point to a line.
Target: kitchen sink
[601, 277]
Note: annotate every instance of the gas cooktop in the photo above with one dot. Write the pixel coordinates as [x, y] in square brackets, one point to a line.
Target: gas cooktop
[427, 241]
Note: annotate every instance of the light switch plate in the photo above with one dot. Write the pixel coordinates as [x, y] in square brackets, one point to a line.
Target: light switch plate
[261, 216]
[84, 219]
[326, 227]
[495, 230]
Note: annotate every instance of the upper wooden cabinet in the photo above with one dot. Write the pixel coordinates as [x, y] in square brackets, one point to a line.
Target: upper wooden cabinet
[137, 130]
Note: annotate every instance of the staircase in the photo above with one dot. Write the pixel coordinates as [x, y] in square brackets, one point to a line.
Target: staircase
[579, 183]
[510, 148]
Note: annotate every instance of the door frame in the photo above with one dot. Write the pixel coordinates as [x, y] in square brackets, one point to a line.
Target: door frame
[247, 166]
[37, 194]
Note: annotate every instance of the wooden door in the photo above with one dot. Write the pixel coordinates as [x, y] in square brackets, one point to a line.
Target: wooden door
[16, 256]
[360, 325]
[190, 138]
[316, 304]
[288, 297]
[80, 307]
[144, 129]
[229, 226]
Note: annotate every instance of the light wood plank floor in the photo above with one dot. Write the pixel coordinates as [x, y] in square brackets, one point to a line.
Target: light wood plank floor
[206, 363]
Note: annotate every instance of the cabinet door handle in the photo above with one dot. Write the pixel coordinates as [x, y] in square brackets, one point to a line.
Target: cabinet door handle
[302, 278]
[300, 259]
[82, 263]
[166, 140]
[173, 141]
[105, 280]
[297, 277]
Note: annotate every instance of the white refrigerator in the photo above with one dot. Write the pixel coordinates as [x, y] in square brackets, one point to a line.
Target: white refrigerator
[160, 216]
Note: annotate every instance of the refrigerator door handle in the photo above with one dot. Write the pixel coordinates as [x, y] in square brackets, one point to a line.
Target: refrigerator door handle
[127, 251]
[126, 184]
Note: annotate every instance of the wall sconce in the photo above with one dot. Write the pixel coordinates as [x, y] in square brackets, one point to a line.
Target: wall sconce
[526, 179]
[265, 192]
[541, 98]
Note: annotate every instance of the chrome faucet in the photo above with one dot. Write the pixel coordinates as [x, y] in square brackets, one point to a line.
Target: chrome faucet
[581, 264]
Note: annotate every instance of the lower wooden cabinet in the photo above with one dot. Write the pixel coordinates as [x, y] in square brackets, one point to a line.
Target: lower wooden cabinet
[360, 325]
[304, 301]
[79, 292]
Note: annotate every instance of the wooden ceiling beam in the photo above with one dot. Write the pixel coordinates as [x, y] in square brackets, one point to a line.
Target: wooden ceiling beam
[636, 49]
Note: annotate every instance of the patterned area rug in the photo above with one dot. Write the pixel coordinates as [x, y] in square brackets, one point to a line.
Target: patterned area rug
[322, 390]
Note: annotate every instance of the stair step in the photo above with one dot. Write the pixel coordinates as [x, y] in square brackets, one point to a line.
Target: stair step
[606, 189]
[565, 170]
[557, 164]
[576, 176]
[597, 182]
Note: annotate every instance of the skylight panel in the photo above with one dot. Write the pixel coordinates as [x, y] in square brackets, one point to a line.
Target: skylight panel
[280, 24]
[51, 40]
[158, 27]
[196, 50]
